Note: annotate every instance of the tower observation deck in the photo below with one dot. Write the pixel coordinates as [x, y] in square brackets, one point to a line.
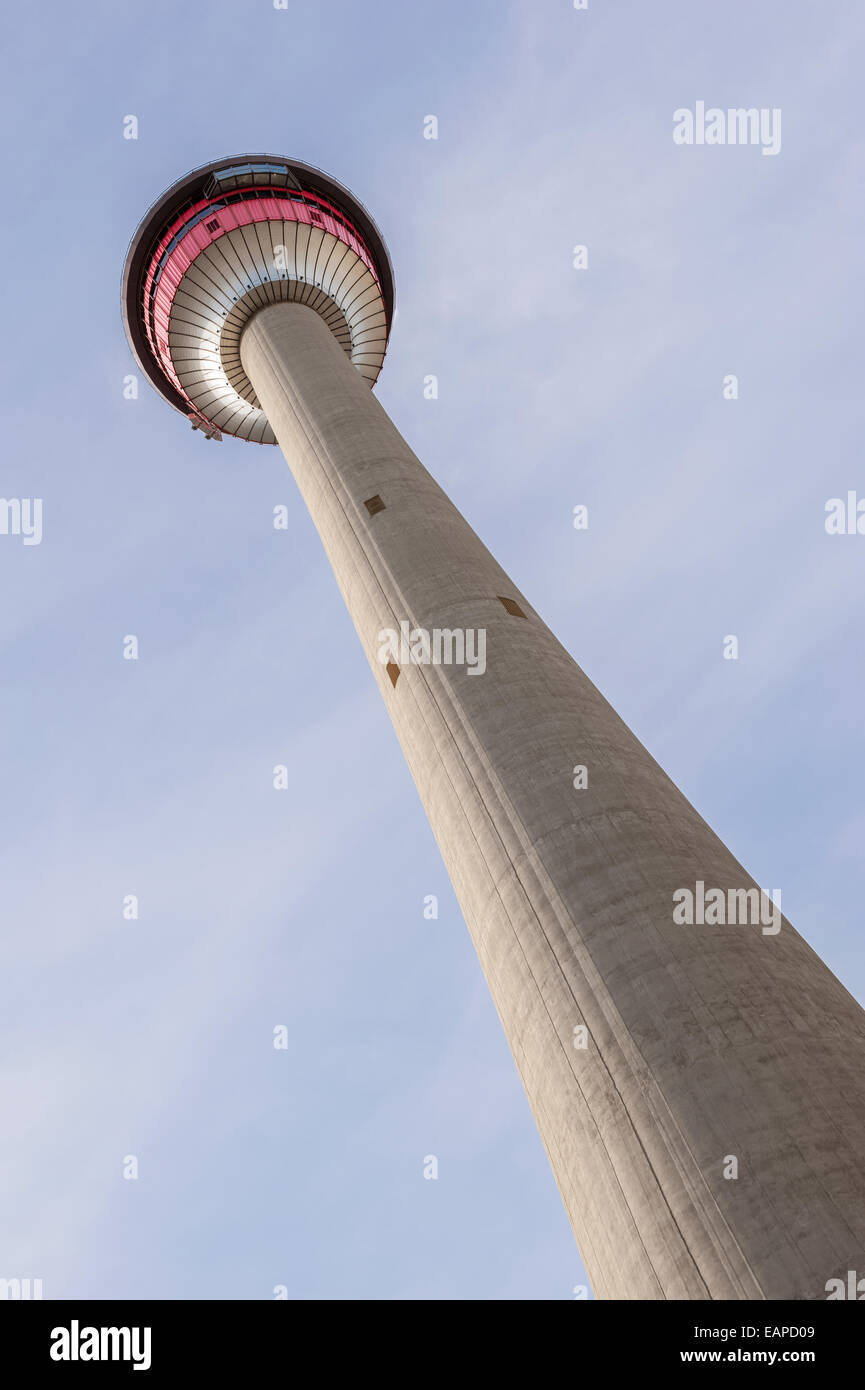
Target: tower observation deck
[228, 240]
[698, 1082]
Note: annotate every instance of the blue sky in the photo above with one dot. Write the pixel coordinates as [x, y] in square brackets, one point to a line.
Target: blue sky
[304, 1167]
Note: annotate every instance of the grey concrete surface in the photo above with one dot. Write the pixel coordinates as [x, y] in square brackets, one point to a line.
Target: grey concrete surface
[703, 1041]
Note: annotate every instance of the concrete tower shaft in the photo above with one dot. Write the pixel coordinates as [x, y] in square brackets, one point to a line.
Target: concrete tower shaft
[702, 1042]
[653, 1053]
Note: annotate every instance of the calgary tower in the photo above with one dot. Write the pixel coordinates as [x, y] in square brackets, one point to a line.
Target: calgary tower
[696, 1074]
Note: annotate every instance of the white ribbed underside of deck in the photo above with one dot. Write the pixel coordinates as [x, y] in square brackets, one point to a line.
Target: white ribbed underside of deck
[244, 271]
